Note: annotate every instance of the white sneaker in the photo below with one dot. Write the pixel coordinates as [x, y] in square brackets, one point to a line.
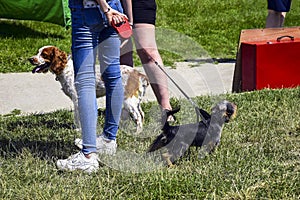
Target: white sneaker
[103, 145]
[78, 161]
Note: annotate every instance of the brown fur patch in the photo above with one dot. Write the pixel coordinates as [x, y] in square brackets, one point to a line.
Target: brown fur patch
[133, 84]
[56, 57]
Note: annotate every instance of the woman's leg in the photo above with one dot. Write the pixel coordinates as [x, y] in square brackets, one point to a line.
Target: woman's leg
[126, 54]
[275, 19]
[84, 66]
[144, 36]
[109, 57]
[84, 42]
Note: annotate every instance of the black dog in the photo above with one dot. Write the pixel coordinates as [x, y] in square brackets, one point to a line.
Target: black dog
[176, 140]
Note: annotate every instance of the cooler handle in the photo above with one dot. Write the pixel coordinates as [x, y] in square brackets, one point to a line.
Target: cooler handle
[279, 38]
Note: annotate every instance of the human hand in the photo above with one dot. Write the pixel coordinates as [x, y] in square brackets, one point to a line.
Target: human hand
[115, 16]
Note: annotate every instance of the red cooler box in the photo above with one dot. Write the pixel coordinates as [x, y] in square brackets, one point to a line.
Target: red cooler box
[271, 64]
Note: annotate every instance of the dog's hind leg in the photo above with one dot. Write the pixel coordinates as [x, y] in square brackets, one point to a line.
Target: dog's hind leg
[167, 157]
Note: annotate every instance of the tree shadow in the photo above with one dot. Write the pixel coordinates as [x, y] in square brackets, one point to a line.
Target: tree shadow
[45, 150]
[54, 140]
[46, 136]
[15, 29]
[46, 123]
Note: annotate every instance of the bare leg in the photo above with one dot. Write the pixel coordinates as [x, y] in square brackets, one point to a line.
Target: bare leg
[126, 57]
[144, 36]
[275, 19]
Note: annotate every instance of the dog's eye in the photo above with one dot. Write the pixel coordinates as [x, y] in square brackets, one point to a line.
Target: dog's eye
[44, 55]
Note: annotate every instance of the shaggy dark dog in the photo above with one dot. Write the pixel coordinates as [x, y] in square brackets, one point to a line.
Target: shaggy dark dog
[176, 140]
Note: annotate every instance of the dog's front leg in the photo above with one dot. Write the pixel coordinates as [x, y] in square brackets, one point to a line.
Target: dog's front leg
[131, 105]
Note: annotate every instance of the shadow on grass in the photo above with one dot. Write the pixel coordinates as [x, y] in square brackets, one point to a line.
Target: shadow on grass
[45, 150]
[47, 136]
[212, 60]
[46, 123]
[15, 29]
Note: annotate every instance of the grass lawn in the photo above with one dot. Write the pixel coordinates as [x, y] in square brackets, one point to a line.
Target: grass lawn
[259, 154]
[214, 26]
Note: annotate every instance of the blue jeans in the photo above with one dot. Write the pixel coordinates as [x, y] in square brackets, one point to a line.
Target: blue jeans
[92, 36]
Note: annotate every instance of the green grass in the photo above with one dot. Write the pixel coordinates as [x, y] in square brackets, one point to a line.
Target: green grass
[259, 156]
[212, 25]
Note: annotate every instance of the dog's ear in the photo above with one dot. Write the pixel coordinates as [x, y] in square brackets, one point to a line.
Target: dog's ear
[172, 112]
[230, 113]
[59, 61]
[166, 113]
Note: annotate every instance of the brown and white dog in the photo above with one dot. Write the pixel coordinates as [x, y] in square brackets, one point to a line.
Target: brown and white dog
[50, 58]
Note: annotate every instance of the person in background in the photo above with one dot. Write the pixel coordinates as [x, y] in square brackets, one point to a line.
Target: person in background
[277, 10]
[92, 34]
[142, 16]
